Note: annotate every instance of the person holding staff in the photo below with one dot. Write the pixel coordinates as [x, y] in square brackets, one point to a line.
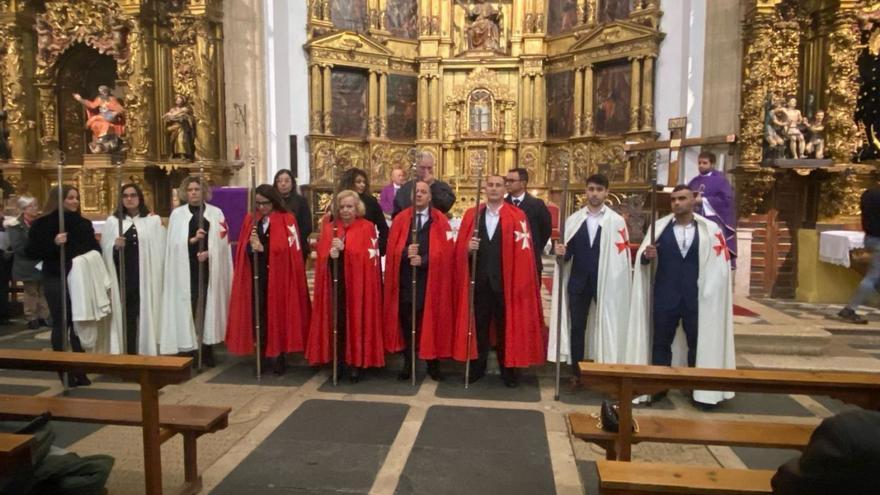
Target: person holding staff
[296, 204]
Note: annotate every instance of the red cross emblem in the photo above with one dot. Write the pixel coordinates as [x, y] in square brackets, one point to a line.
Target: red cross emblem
[721, 248]
[224, 228]
[624, 241]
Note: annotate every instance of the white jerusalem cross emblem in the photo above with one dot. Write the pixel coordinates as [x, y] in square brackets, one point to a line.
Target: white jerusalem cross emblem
[522, 235]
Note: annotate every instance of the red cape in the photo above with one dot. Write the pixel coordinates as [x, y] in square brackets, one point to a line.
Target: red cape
[363, 297]
[288, 308]
[435, 340]
[524, 341]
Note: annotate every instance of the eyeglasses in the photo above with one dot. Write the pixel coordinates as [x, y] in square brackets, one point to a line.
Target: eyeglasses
[263, 203]
[511, 181]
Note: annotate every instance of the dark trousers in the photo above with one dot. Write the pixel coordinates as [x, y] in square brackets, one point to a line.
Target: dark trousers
[52, 290]
[488, 307]
[665, 325]
[405, 312]
[578, 310]
[132, 316]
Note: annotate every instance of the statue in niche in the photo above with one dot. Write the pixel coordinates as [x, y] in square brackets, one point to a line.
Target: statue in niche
[106, 120]
[793, 133]
[480, 111]
[816, 144]
[180, 124]
[484, 31]
[774, 127]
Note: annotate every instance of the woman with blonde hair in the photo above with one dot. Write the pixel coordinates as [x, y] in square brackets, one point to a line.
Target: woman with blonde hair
[350, 242]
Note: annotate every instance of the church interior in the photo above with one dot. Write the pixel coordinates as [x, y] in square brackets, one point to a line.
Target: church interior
[96, 93]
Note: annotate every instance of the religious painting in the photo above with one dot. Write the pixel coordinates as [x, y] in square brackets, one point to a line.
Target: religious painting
[562, 16]
[402, 18]
[612, 10]
[480, 111]
[560, 104]
[349, 90]
[402, 106]
[349, 15]
[611, 100]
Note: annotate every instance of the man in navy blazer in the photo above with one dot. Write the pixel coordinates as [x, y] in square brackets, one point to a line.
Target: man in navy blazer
[540, 225]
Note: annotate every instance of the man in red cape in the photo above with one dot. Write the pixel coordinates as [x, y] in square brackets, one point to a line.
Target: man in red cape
[361, 342]
[284, 296]
[506, 298]
[432, 254]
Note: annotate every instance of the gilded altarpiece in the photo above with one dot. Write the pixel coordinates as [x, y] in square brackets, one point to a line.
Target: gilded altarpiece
[148, 52]
[508, 83]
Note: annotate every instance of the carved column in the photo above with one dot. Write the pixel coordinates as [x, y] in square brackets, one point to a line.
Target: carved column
[648, 93]
[539, 107]
[842, 138]
[383, 104]
[434, 102]
[527, 124]
[328, 99]
[207, 89]
[139, 106]
[635, 91]
[315, 118]
[17, 81]
[578, 99]
[423, 107]
[373, 109]
[588, 101]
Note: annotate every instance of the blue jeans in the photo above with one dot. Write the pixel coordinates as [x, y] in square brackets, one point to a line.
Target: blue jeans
[869, 284]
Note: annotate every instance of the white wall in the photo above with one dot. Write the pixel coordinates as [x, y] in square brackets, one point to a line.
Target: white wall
[679, 77]
[287, 85]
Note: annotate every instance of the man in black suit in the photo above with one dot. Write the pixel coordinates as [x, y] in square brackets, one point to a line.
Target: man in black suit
[540, 225]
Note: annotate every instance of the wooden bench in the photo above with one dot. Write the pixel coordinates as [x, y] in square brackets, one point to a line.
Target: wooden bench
[151, 372]
[693, 431]
[639, 478]
[190, 422]
[15, 453]
[626, 382]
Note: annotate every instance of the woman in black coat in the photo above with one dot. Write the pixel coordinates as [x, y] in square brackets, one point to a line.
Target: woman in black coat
[356, 180]
[44, 241]
[295, 203]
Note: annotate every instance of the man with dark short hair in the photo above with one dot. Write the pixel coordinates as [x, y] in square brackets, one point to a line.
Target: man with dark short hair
[536, 211]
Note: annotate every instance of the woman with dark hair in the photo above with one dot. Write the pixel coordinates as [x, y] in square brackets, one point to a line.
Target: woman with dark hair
[295, 203]
[143, 246]
[356, 180]
[44, 244]
[272, 235]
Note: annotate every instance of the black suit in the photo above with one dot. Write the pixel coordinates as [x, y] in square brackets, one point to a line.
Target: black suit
[540, 225]
[405, 296]
[489, 297]
[843, 456]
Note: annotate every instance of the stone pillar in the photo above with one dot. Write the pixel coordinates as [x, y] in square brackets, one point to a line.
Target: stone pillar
[383, 104]
[373, 107]
[578, 100]
[327, 105]
[635, 93]
[648, 94]
[587, 127]
[317, 87]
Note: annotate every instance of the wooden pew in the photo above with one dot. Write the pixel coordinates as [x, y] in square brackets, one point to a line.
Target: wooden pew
[626, 382]
[190, 422]
[771, 435]
[151, 372]
[15, 453]
[639, 478]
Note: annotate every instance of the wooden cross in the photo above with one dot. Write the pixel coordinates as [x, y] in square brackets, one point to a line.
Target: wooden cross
[678, 144]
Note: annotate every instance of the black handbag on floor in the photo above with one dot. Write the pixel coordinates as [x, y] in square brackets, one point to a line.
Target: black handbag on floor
[609, 420]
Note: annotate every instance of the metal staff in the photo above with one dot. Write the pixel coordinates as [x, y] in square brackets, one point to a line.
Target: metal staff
[414, 236]
[200, 302]
[335, 268]
[560, 264]
[478, 169]
[121, 253]
[255, 268]
[65, 338]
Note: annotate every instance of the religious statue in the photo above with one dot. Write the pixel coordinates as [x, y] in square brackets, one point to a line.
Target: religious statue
[774, 126]
[816, 145]
[180, 124]
[793, 133]
[484, 32]
[106, 120]
[481, 112]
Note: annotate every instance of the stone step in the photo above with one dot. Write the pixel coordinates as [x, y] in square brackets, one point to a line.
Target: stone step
[781, 339]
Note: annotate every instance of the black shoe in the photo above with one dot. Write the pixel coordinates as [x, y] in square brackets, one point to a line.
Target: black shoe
[849, 315]
[659, 396]
[354, 376]
[280, 365]
[45, 322]
[434, 371]
[404, 375]
[78, 380]
[510, 378]
[33, 324]
[475, 377]
[208, 356]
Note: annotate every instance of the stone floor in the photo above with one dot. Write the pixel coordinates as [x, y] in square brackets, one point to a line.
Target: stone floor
[299, 434]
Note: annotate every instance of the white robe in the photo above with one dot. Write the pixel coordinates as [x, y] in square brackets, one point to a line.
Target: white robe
[151, 250]
[715, 348]
[608, 316]
[178, 332]
[89, 289]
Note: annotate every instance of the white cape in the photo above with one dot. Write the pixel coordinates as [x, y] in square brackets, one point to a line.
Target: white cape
[89, 289]
[715, 348]
[151, 250]
[178, 332]
[608, 316]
